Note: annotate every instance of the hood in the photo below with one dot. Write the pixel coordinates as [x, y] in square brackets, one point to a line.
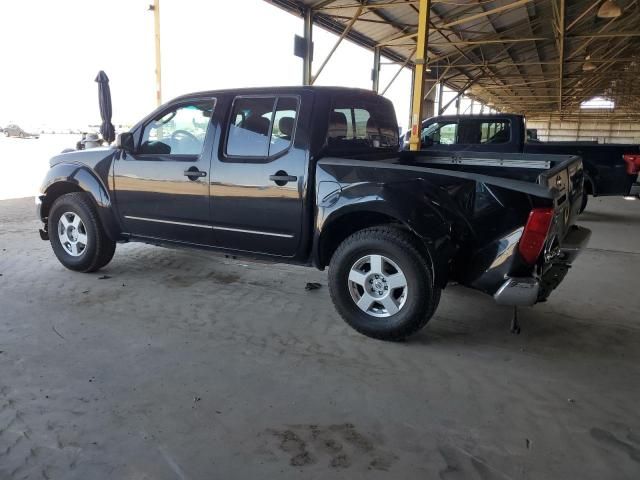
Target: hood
[90, 157]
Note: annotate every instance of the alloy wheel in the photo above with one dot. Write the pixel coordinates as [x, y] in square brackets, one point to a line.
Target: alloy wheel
[72, 234]
[378, 286]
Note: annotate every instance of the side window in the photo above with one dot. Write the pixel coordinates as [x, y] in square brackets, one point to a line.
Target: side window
[495, 132]
[284, 123]
[248, 134]
[180, 131]
[440, 134]
[261, 126]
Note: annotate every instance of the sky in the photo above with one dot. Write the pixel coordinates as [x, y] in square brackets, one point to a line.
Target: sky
[53, 50]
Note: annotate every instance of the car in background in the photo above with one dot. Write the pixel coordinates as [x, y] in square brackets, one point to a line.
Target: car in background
[16, 131]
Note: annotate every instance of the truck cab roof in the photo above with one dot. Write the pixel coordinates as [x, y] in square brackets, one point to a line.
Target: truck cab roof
[294, 89]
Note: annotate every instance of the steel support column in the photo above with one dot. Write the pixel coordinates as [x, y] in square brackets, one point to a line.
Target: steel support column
[560, 26]
[345, 32]
[307, 60]
[402, 67]
[461, 93]
[156, 28]
[419, 73]
[375, 73]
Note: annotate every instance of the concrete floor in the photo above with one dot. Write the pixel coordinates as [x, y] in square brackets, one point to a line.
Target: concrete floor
[183, 365]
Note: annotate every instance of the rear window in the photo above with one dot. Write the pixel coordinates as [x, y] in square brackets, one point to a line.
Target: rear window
[365, 122]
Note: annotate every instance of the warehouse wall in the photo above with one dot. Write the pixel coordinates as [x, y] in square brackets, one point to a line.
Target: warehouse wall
[602, 130]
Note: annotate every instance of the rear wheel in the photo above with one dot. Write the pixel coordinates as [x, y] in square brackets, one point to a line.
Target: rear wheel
[76, 235]
[381, 284]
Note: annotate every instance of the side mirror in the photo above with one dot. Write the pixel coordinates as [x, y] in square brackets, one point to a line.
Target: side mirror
[124, 141]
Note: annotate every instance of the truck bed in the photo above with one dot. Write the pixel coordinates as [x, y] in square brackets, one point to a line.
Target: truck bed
[551, 179]
[556, 177]
[552, 175]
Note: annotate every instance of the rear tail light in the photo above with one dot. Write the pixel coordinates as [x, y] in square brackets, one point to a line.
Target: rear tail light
[633, 163]
[535, 234]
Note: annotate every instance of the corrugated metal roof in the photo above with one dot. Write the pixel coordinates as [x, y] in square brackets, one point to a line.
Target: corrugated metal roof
[509, 49]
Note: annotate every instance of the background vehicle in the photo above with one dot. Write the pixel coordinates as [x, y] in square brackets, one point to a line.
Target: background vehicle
[610, 169]
[313, 176]
[16, 131]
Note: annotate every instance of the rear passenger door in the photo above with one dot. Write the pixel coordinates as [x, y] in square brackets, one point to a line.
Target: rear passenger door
[485, 135]
[259, 175]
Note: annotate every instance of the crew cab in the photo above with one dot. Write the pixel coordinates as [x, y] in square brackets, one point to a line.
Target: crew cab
[313, 176]
[609, 169]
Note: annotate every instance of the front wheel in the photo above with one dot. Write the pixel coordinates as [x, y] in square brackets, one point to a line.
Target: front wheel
[76, 235]
[381, 284]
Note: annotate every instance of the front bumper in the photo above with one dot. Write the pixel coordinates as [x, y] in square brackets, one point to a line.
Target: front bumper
[38, 200]
[44, 235]
[527, 291]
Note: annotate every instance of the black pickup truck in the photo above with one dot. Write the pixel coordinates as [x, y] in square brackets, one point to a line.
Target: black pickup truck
[313, 176]
[609, 169]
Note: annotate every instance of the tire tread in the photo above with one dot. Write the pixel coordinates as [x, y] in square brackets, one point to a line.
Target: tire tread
[409, 244]
[105, 247]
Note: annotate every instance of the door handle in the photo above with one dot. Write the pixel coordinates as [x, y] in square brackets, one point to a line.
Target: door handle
[282, 178]
[193, 173]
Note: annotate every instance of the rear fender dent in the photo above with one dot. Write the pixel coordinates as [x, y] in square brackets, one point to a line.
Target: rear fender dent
[373, 199]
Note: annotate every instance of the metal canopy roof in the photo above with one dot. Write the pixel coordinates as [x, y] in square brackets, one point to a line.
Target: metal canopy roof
[524, 56]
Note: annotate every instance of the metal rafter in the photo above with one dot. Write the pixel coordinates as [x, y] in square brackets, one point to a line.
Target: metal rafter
[534, 53]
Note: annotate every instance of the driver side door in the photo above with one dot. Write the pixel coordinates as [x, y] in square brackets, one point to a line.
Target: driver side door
[162, 189]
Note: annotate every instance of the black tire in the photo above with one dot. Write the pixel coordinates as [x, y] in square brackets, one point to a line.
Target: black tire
[99, 249]
[585, 200]
[404, 250]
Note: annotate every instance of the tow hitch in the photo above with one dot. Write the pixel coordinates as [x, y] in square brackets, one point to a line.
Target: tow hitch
[515, 325]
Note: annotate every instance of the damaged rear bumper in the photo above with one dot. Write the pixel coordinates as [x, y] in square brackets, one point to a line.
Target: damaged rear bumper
[526, 291]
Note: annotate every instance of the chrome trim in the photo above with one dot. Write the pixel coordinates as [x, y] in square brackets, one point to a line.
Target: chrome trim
[519, 291]
[130, 217]
[490, 162]
[255, 232]
[210, 227]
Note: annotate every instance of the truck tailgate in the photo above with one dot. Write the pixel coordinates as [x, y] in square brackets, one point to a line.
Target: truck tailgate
[565, 180]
